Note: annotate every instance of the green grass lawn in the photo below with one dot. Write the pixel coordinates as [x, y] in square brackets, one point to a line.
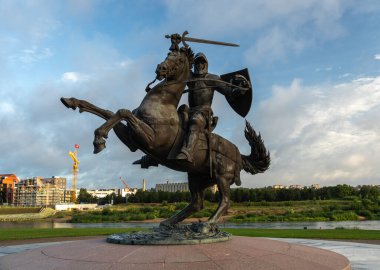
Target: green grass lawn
[18, 234]
[347, 234]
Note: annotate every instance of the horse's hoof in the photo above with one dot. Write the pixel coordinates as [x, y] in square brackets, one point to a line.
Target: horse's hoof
[204, 227]
[99, 145]
[68, 102]
[165, 225]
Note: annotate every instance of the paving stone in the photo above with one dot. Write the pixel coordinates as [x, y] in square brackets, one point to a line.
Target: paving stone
[238, 253]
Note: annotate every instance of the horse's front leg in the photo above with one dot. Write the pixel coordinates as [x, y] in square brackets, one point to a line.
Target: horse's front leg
[120, 129]
[138, 127]
[85, 106]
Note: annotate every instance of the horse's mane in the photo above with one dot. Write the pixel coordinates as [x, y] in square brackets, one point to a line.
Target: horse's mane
[189, 54]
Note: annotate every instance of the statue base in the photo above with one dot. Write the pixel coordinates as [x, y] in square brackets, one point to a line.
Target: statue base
[196, 233]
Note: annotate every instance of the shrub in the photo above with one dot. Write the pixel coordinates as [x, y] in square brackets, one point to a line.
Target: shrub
[106, 211]
[146, 209]
[164, 203]
[180, 205]
[366, 213]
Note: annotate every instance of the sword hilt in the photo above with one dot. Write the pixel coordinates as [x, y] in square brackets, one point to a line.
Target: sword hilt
[176, 39]
[183, 39]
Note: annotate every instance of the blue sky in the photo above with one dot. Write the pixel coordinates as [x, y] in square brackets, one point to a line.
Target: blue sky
[315, 68]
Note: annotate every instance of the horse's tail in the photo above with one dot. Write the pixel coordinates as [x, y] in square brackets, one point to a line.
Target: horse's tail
[259, 159]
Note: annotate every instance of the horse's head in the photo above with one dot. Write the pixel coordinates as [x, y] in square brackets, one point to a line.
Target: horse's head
[176, 64]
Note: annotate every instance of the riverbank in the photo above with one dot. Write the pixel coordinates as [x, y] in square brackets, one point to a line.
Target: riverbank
[30, 214]
[286, 211]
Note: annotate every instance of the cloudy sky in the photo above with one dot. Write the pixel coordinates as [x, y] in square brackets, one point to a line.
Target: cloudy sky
[315, 68]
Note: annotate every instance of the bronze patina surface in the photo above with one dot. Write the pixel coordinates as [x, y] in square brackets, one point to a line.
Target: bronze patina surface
[179, 234]
[182, 138]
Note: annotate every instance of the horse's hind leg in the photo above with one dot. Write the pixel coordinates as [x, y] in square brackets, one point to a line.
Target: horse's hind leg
[223, 184]
[140, 129]
[196, 187]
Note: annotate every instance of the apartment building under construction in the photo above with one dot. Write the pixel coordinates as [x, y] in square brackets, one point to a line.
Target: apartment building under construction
[39, 191]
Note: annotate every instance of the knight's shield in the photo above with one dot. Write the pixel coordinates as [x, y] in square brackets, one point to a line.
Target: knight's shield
[241, 104]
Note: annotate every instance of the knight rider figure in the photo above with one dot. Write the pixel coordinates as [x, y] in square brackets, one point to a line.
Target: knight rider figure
[201, 87]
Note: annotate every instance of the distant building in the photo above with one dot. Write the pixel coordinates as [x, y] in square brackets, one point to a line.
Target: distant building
[295, 187]
[71, 206]
[126, 192]
[102, 193]
[315, 186]
[172, 187]
[278, 186]
[39, 191]
[7, 188]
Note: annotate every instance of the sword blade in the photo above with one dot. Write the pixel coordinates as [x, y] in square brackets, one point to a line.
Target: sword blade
[198, 40]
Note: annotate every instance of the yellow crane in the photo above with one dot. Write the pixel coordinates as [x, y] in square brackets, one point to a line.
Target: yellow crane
[74, 157]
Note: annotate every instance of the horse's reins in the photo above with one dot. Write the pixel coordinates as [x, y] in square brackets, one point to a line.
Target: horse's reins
[147, 89]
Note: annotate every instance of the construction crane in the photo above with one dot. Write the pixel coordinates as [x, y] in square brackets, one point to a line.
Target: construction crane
[74, 157]
[125, 184]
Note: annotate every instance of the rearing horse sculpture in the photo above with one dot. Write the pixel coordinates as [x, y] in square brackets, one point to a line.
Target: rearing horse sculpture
[158, 129]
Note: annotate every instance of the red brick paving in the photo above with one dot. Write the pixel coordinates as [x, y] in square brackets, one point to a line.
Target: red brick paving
[238, 253]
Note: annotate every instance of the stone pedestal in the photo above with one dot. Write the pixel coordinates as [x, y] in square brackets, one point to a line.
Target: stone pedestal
[180, 234]
[237, 253]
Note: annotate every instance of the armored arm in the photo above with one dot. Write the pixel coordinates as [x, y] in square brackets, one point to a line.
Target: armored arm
[238, 86]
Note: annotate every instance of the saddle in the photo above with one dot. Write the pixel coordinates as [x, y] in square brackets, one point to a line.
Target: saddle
[202, 143]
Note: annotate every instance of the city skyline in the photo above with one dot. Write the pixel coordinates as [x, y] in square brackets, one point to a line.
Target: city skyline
[314, 65]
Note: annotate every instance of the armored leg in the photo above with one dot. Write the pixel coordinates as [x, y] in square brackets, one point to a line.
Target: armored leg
[197, 125]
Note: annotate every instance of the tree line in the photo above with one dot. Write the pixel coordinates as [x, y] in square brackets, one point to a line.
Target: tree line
[267, 194]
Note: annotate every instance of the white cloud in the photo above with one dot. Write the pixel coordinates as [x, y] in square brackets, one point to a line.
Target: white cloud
[276, 44]
[28, 56]
[125, 63]
[7, 108]
[278, 28]
[322, 134]
[74, 77]
[377, 57]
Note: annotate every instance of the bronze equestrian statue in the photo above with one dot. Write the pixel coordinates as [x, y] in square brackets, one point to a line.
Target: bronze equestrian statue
[159, 128]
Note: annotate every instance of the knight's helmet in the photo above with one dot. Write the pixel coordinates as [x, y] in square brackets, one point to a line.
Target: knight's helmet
[200, 57]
